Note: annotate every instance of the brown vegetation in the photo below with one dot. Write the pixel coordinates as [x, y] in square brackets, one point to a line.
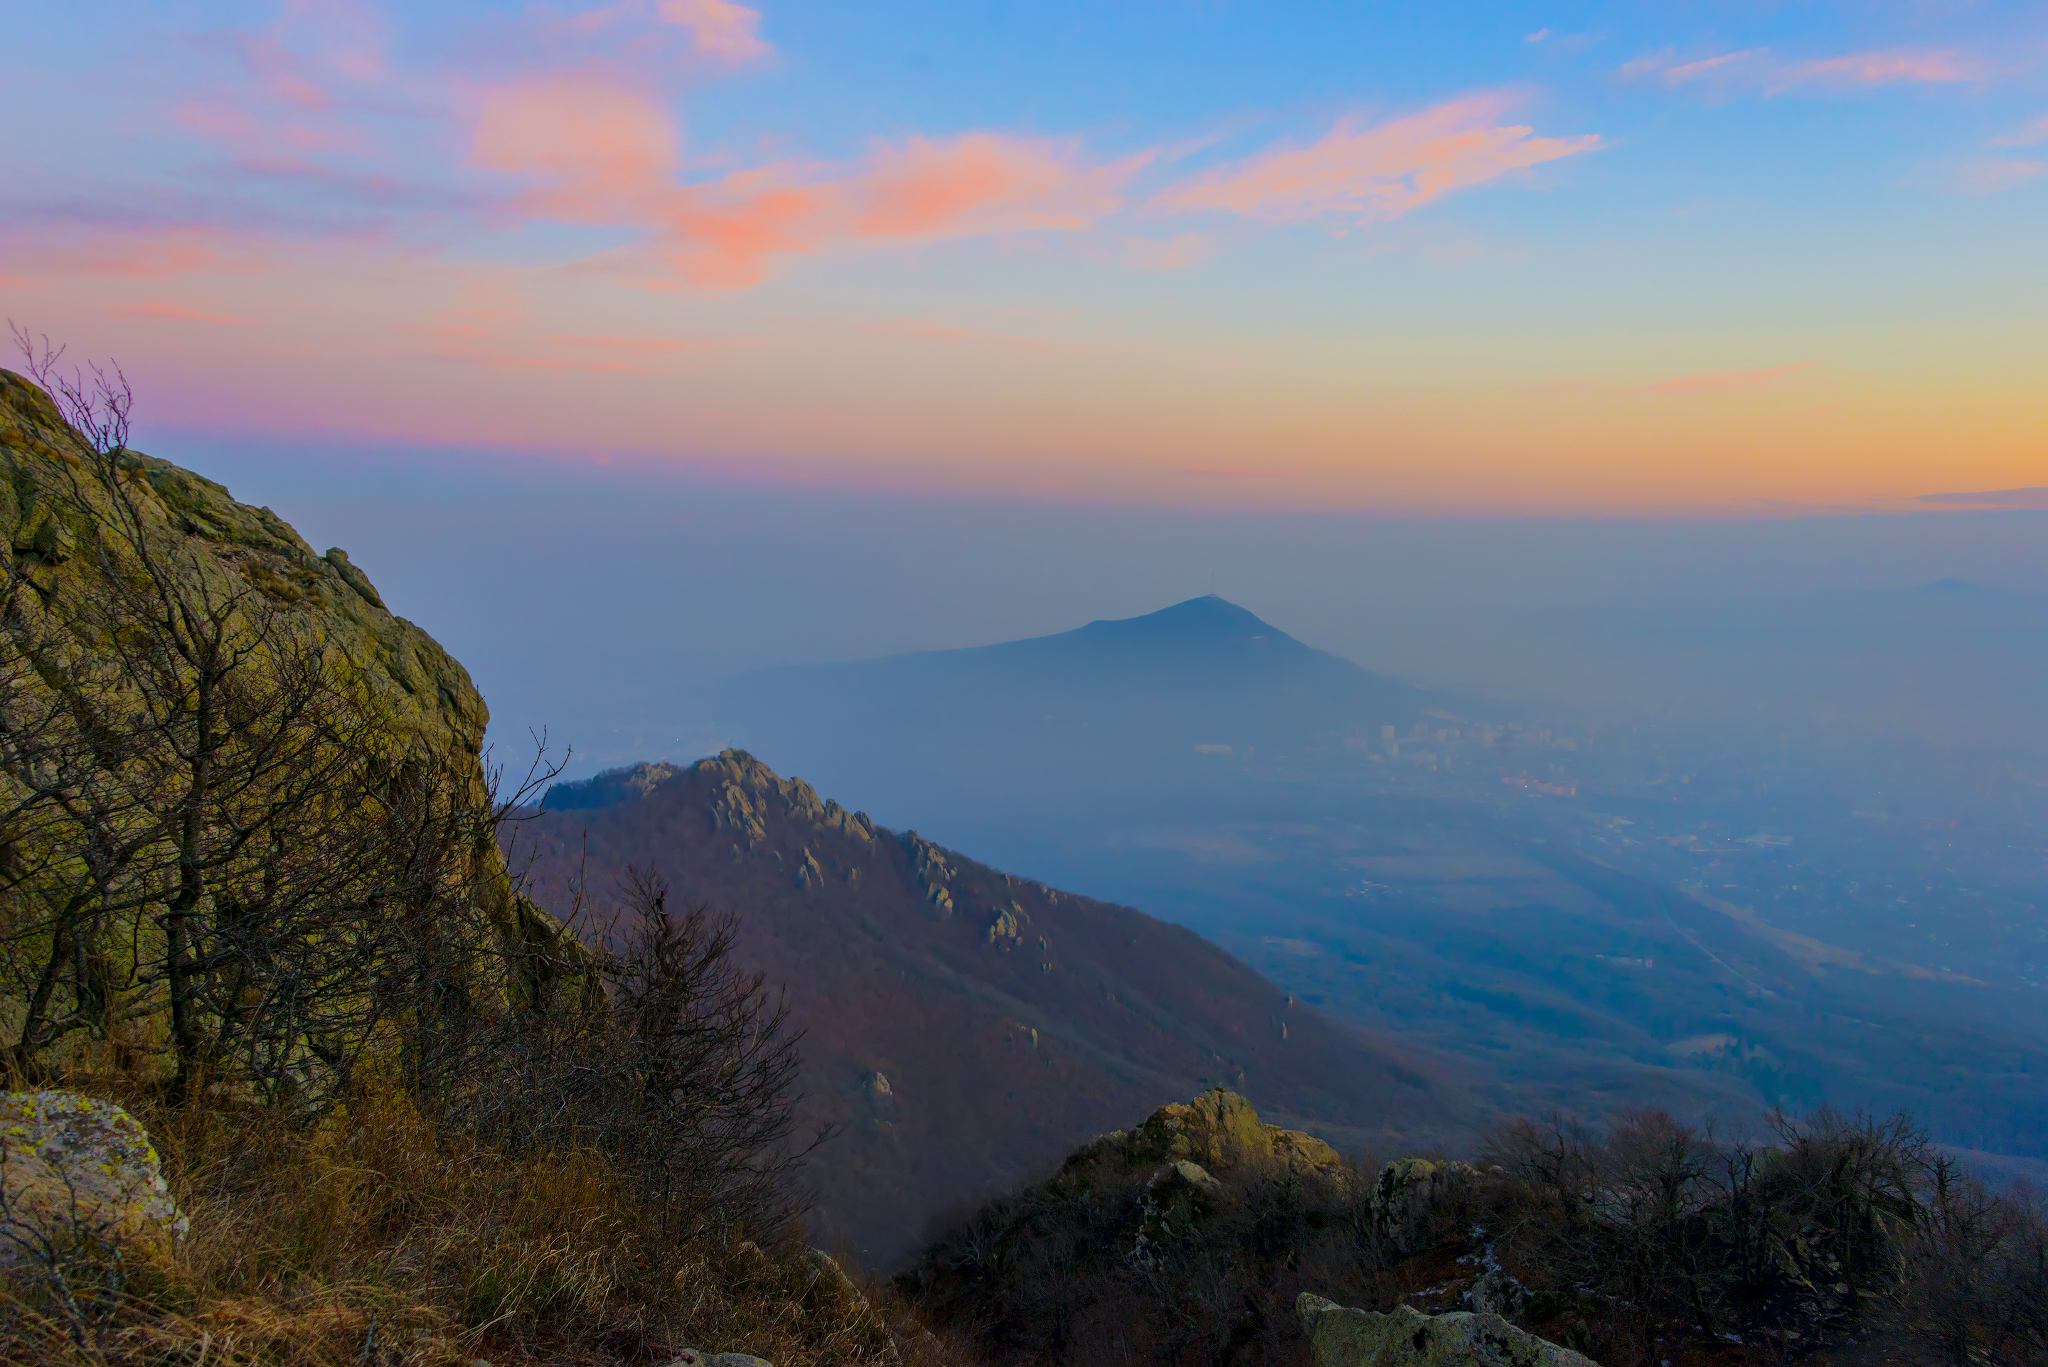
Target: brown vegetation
[378, 1237]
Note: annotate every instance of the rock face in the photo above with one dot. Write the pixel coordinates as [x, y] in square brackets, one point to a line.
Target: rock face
[78, 1169]
[1342, 1337]
[44, 475]
[65, 541]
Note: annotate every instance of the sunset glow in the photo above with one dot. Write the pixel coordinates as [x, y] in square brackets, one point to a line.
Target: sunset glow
[1491, 260]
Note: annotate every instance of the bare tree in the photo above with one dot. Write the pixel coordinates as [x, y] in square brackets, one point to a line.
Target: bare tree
[98, 408]
[208, 814]
[683, 1068]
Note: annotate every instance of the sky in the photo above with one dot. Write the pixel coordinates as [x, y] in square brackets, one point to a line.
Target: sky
[1480, 259]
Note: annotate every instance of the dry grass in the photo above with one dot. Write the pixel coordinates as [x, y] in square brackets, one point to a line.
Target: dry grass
[373, 1239]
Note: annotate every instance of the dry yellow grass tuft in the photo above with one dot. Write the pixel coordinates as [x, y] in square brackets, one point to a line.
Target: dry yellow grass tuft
[373, 1238]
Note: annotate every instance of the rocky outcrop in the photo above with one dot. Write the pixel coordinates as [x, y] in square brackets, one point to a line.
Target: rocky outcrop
[77, 1170]
[745, 793]
[49, 494]
[1006, 930]
[74, 525]
[1343, 1337]
[1218, 1130]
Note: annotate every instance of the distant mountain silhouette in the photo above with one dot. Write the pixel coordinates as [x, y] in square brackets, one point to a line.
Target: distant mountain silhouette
[966, 1028]
[1171, 698]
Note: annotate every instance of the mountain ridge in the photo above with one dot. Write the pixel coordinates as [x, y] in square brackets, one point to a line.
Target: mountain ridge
[965, 1027]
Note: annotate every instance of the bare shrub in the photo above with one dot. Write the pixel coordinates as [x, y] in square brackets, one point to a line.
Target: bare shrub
[1835, 1226]
[682, 1068]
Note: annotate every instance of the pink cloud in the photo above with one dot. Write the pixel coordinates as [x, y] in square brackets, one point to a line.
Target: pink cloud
[349, 35]
[1688, 71]
[1993, 175]
[1759, 70]
[982, 183]
[159, 253]
[723, 237]
[2031, 135]
[595, 151]
[595, 143]
[183, 315]
[722, 31]
[1378, 172]
[1727, 381]
[1882, 68]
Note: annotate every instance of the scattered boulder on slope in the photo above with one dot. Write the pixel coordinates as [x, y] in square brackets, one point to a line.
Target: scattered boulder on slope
[1342, 1337]
[74, 1169]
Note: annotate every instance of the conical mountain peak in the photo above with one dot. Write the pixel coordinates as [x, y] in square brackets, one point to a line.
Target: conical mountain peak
[1208, 618]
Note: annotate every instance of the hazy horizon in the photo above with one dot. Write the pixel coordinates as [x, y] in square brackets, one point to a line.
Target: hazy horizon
[667, 585]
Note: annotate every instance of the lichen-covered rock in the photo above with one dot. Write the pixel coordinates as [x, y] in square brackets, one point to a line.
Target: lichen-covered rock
[1340, 1336]
[736, 1360]
[1006, 931]
[78, 1169]
[71, 525]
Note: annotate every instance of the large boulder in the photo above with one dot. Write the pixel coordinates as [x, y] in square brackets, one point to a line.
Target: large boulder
[75, 1170]
[1340, 1336]
[72, 525]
